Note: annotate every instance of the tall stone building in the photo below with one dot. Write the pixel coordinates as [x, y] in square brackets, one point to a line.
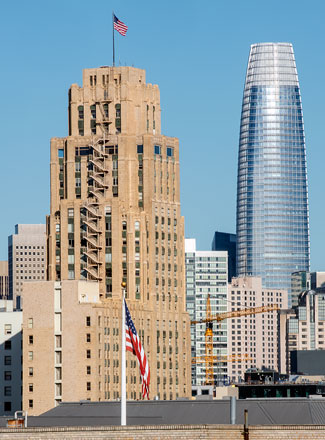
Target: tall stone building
[115, 216]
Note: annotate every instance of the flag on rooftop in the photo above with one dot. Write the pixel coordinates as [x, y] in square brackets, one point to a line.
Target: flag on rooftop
[119, 26]
[133, 344]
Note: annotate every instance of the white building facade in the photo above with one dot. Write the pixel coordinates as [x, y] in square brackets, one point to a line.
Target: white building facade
[206, 274]
[10, 358]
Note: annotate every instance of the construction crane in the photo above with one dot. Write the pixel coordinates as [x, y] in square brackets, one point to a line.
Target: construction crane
[209, 358]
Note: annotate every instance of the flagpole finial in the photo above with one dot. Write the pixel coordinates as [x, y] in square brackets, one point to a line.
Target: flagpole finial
[123, 284]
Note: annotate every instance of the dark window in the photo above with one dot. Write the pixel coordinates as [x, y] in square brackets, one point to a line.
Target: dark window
[88, 337]
[7, 360]
[88, 386]
[170, 151]
[7, 345]
[7, 391]
[7, 375]
[105, 107]
[88, 369]
[88, 321]
[81, 111]
[30, 403]
[157, 149]
[88, 354]
[140, 149]
[31, 339]
[7, 406]
[93, 111]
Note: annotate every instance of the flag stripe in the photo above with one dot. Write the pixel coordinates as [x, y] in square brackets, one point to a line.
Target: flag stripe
[119, 26]
[133, 344]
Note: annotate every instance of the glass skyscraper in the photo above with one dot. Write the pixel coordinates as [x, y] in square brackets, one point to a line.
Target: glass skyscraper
[272, 201]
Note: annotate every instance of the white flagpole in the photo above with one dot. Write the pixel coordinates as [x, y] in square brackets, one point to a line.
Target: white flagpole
[123, 369]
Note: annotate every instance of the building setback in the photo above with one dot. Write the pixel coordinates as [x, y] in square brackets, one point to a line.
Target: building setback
[115, 216]
[255, 336]
[272, 202]
[26, 258]
[206, 274]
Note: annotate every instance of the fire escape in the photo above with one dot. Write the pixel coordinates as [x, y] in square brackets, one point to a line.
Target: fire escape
[97, 186]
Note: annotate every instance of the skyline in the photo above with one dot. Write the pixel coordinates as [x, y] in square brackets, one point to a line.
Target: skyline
[208, 100]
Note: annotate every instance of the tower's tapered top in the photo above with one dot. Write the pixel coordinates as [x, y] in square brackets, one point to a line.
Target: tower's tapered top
[271, 63]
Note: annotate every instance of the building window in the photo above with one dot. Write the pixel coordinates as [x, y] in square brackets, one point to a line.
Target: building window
[7, 391]
[7, 406]
[7, 345]
[81, 111]
[88, 337]
[30, 403]
[170, 151]
[88, 354]
[30, 320]
[30, 355]
[30, 371]
[30, 387]
[140, 149]
[8, 329]
[88, 321]
[7, 360]
[88, 386]
[88, 369]
[31, 339]
[157, 149]
[7, 375]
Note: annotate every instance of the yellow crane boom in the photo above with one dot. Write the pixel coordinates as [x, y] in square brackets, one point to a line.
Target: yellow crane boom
[237, 313]
[209, 359]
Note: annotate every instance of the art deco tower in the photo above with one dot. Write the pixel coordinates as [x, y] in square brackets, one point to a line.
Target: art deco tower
[272, 202]
[115, 216]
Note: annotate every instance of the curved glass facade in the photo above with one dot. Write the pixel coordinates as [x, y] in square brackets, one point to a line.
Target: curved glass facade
[272, 201]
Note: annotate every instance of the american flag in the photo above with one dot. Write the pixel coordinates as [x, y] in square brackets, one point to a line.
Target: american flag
[133, 344]
[119, 26]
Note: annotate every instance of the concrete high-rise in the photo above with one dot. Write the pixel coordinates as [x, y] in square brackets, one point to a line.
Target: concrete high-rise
[115, 216]
[272, 202]
[26, 258]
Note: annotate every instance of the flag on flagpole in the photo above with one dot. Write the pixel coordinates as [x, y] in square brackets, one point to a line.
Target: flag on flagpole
[119, 26]
[133, 344]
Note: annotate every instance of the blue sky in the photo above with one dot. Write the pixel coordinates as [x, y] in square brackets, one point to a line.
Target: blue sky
[196, 52]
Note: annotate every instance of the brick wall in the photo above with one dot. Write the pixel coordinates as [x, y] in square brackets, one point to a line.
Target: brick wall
[170, 432]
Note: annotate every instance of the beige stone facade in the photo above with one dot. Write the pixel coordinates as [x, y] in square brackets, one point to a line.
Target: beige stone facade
[4, 280]
[115, 216]
[254, 335]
